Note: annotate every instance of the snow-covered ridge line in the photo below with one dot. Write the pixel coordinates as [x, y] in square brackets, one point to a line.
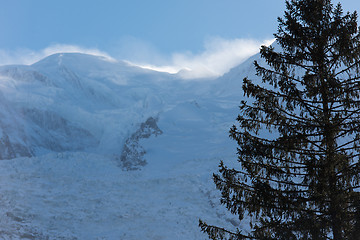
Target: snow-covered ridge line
[72, 123]
[72, 102]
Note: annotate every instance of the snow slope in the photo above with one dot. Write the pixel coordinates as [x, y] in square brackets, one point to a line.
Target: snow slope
[95, 149]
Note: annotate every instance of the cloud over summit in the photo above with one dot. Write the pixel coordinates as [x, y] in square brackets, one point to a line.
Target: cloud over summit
[219, 55]
[28, 56]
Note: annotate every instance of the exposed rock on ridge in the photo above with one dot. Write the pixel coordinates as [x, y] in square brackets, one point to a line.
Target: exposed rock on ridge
[132, 156]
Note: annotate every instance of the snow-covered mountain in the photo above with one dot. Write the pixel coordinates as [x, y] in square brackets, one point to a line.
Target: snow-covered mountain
[96, 149]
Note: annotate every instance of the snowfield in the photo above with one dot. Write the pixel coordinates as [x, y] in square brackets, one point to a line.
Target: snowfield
[85, 196]
[72, 124]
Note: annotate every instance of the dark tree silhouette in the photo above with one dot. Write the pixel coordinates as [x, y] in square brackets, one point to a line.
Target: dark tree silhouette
[298, 135]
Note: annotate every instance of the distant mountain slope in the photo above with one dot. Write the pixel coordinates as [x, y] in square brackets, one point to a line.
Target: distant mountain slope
[69, 102]
[72, 102]
[72, 123]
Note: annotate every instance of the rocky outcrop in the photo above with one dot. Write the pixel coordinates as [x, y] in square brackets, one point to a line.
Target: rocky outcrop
[10, 149]
[56, 133]
[132, 156]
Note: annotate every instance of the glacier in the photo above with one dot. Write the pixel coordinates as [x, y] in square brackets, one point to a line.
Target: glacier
[99, 149]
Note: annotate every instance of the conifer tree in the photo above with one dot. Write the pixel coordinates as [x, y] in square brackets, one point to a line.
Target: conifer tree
[298, 135]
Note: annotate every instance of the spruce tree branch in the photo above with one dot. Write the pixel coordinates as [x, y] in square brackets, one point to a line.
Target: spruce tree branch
[309, 110]
[351, 81]
[268, 168]
[346, 149]
[268, 122]
[288, 97]
[268, 179]
[345, 132]
[350, 167]
[303, 165]
[308, 140]
[343, 105]
[351, 188]
[291, 209]
[289, 61]
[274, 144]
[348, 116]
[307, 152]
[340, 148]
[279, 144]
[356, 63]
[286, 115]
[229, 232]
[279, 74]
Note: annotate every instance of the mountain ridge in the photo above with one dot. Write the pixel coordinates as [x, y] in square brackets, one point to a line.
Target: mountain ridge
[67, 83]
[105, 151]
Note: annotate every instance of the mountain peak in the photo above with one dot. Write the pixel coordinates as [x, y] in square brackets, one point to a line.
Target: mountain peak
[83, 120]
[59, 58]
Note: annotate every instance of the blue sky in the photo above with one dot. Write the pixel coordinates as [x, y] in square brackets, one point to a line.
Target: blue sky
[148, 32]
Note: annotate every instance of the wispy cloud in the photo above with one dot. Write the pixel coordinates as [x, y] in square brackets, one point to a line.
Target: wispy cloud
[218, 57]
[27, 56]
